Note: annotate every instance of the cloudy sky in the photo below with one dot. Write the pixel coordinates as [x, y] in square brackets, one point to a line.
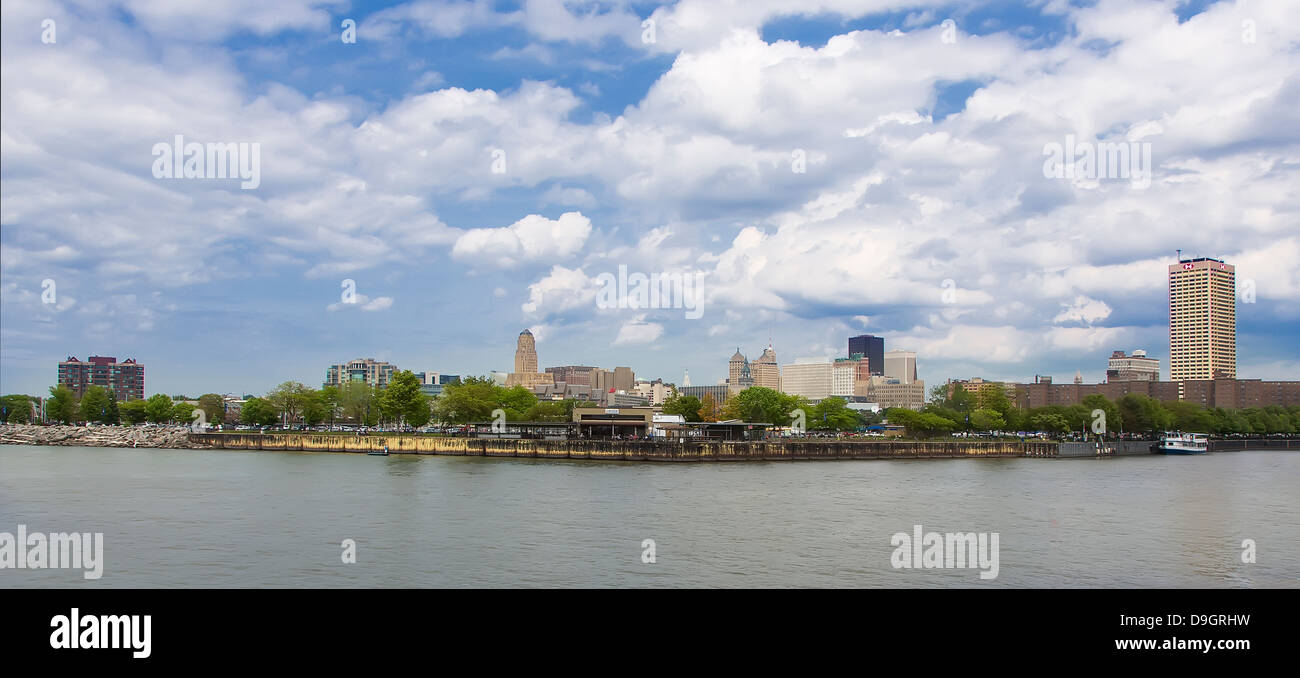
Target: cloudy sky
[829, 167]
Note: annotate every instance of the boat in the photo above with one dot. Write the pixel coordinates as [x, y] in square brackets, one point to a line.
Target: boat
[379, 453]
[1177, 442]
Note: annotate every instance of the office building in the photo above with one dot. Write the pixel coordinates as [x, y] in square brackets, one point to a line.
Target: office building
[891, 392]
[124, 379]
[901, 365]
[720, 393]
[812, 379]
[873, 348]
[365, 370]
[847, 373]
[1202, 320]
[1136, 367]
[765, 371]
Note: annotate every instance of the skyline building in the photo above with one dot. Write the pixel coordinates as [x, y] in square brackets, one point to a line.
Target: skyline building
[901, 365]
[526, 373]
[812, 379]
[376, 373]
[1202, 320]
[125, 379]
[848, 373]
[1136, 367]
[739, 375]
[765, 371]
[873, 348]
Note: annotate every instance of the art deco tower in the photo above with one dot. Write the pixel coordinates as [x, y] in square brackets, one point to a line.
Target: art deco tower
[526, 354]
[1202, 320]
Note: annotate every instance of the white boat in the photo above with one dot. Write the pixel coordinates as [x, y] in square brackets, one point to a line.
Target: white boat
[1177, 442]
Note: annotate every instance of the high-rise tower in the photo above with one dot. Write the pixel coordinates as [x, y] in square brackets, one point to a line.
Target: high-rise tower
[1202, 320]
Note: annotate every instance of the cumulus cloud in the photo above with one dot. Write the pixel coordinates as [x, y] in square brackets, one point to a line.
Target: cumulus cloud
[533, 238]
[638, 331]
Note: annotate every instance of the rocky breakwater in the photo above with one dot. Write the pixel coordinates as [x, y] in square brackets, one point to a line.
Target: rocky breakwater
[173, 437]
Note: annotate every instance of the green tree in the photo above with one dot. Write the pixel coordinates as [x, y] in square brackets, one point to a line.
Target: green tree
[114, 413]
[329, 400]
[357, 402]
[515, 401]
[1142, 414]
[94, 404]
[832, 414]
[548, 410]
[758, 404]
[919, 424]
[688, 407]
[258, 412]
[1049, 422]
[709, 408]
[158, 408]
[288, 399]
[962, 400]
[183, 413]
[133, 411]
[16, 409]
[214, 407]
[1113, 420]
[404, 403]
[987, 419]
[472, 400]
[62, 405]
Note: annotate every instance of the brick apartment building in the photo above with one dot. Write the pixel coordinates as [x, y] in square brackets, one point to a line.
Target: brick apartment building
[125, 379]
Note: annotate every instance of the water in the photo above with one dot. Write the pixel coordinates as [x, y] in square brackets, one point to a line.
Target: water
[192, 518]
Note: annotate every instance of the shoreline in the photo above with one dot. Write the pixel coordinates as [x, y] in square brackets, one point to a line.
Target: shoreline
[181, 438]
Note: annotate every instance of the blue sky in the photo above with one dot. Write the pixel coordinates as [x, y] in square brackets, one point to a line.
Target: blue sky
[830, 168]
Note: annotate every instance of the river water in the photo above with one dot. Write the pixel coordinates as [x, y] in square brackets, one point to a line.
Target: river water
[198, 518]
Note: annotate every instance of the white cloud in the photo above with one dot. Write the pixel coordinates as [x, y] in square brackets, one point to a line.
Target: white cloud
[638, 331]
[1083, 310]
[533, 238]
[362, 303]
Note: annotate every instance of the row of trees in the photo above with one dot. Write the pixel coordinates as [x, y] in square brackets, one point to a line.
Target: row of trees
[990, 410]
[758, 404]
[474, 399]
[401, 403]
[99, 405]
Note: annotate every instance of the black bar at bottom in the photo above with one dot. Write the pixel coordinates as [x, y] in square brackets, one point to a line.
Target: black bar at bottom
[331, 628]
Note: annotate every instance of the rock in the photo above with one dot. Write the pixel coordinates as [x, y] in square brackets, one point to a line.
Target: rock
[172, 437]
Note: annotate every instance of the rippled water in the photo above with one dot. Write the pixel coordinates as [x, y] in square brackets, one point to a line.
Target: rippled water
[189, 518]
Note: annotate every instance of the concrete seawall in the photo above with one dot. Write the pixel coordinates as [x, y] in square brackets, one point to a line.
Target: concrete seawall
[627, 450]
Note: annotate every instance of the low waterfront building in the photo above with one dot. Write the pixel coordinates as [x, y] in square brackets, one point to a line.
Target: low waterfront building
[1209, 393]
[608, 422]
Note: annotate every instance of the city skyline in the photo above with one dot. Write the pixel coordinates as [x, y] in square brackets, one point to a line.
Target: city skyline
[450, 182]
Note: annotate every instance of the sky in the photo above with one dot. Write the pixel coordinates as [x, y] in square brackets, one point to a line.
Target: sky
[434, 176]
